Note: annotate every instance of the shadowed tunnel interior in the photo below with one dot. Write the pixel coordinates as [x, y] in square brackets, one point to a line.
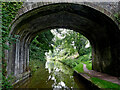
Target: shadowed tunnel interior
[101, 31]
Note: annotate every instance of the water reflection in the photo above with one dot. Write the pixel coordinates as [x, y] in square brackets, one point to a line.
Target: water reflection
[61, 74]
[51, 75]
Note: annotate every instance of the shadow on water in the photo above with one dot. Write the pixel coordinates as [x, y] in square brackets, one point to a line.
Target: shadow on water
[52, 75]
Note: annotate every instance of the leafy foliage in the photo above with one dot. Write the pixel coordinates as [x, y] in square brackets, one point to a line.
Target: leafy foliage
[75, 62]
[9, 10]
[117, 16]
[40, 45]
[72, 42]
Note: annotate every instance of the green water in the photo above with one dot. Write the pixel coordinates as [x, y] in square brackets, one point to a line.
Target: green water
[52, 75]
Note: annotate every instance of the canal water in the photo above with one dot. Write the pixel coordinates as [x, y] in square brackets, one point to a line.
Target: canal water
[52, 74]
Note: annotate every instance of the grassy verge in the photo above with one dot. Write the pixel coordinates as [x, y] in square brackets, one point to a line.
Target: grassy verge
[88, 64]
[104, 84]
[76, 64]
[79, 68]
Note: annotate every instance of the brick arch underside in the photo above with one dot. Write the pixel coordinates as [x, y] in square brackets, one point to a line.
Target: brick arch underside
[101, 31]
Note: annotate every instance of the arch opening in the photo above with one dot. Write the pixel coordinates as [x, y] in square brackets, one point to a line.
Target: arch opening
[62, 45]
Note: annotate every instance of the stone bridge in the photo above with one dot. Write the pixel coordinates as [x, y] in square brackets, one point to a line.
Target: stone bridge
[95, 20]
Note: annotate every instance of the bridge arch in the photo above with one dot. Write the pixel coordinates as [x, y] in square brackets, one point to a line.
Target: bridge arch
[100, 28]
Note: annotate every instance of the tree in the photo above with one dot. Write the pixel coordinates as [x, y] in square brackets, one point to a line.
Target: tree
[72, 41]
[42, 43]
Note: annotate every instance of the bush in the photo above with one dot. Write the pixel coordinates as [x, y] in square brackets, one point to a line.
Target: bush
[77, 63]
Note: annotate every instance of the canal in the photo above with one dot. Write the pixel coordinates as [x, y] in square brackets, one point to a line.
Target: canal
[52, 74]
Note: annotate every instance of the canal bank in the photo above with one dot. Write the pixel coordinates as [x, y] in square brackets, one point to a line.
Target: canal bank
[54, 74]
[98, 79]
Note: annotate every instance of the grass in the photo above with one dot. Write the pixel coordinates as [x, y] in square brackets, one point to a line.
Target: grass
[88, 64]
[79, 68]
[76, 64]
[104, 84]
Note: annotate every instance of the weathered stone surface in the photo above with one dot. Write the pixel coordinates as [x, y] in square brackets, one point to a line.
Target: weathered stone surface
[93, 20]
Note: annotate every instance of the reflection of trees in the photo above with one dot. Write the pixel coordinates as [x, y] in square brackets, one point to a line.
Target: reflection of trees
[61, 74]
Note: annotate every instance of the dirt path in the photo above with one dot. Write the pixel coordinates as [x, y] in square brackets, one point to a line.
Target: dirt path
[101, 75]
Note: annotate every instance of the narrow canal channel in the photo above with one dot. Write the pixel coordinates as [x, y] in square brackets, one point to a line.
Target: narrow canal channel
[53, 75]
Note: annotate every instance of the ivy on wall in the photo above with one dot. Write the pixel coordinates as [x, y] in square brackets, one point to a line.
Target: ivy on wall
[117, 16]
[9, 10]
